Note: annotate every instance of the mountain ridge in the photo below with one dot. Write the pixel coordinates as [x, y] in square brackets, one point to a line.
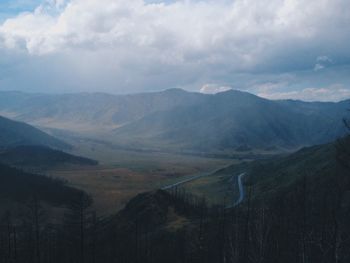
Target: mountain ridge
[178, 120]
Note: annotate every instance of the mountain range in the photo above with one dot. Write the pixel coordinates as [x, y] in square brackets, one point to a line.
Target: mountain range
[176, 120]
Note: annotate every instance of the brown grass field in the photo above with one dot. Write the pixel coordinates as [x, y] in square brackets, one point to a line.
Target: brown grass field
[123, 174]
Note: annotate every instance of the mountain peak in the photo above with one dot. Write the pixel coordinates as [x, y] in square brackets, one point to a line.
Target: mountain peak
[234, 93]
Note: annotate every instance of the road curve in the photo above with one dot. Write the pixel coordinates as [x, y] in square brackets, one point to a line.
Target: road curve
[241, 190]
[239, 182]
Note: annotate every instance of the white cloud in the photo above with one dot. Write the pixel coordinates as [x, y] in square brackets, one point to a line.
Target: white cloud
[335, 92]
[186, 29]
[318, 67]
[324, 59]
[213, 89]
[322, 62]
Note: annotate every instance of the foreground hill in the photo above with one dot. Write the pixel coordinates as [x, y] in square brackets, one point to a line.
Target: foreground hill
[293, 213]
[320, 167]
[295, 206]
[19, 186]
[176, 120]
[40, 157]
[13, 133]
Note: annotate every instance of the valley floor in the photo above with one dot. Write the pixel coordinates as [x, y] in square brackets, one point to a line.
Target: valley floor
[124, 174]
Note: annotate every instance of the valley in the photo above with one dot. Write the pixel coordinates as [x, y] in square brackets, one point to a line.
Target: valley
[171, 169]
[144, 142]
[174, 131]
[125, 174]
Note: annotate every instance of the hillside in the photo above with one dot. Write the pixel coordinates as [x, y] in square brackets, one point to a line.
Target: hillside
[237, 121]
[40, 157]
[13, 133]
[299, 212]
[297, 203]
[19, 186]
[272, 177]
[317, 166]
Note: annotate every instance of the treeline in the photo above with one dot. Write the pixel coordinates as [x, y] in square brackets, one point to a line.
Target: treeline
[292, 228]
[40, 157]
[19, 185]
[34, 235]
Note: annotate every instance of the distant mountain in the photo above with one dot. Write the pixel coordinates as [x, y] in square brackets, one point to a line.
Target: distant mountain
[90, 112]
[40, 157]
[176, 120]
[13, 133]
[238, 121]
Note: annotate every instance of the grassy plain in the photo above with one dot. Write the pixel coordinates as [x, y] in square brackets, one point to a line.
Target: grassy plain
[122, 174]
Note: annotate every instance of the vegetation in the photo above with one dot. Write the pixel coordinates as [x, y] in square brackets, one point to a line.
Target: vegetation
[40, 157]
[306, 220]
[296, 207]
[20, 186]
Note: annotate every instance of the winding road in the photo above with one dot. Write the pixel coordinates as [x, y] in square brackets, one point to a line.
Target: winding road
[241, 191]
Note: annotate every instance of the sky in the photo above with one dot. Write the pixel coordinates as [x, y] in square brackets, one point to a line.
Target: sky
[278, 49]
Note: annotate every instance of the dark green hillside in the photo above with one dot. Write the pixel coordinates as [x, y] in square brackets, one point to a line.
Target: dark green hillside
[41, 157]
[316, 166]
[16, 185]
[156, 209]
[13, 133]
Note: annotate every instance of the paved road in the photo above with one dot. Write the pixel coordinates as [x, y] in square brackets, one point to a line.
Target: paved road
[239, 182]
[195, 177]
[241, 190]
[183, 182]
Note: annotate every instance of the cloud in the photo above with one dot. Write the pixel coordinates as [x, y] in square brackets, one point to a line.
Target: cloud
[187, 30]
[322, 62]
[129, 46]
[213, 89]
[335, 92]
